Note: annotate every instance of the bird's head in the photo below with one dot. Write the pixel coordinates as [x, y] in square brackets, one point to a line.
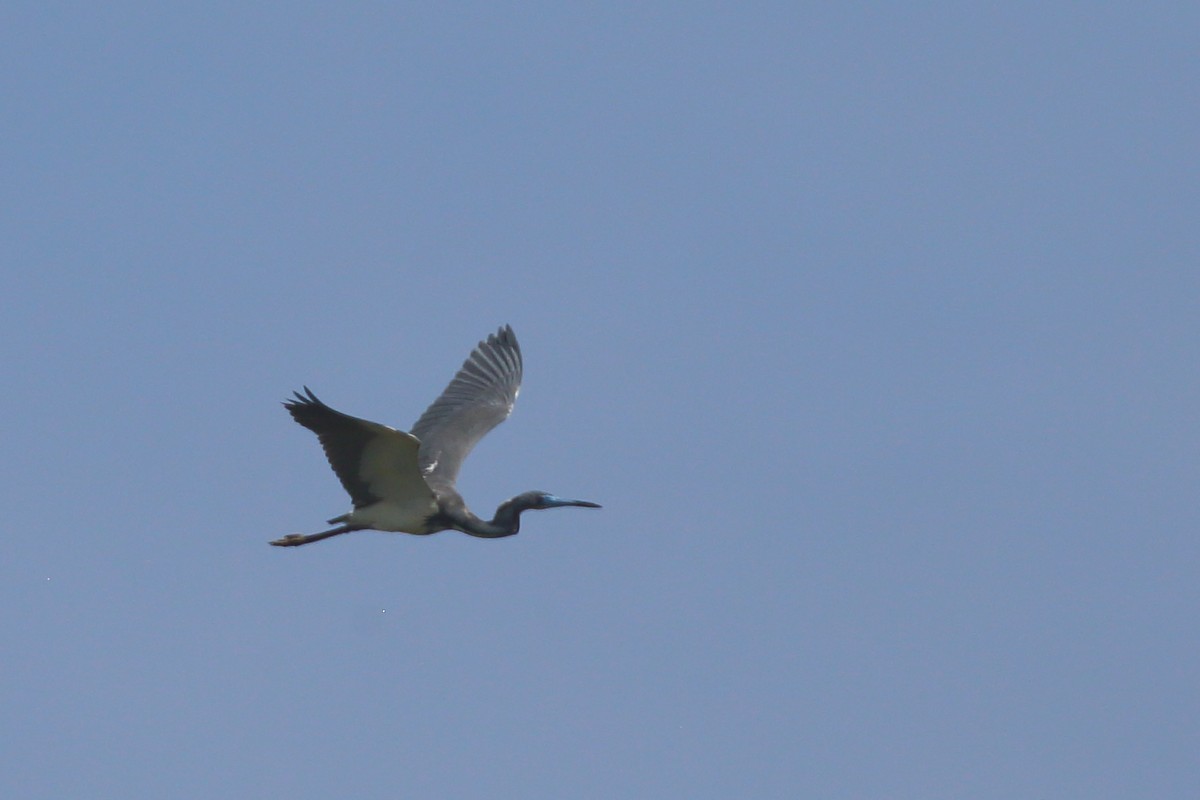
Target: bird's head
[539, 500]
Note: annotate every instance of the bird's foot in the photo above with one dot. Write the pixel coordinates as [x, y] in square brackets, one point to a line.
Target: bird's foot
[291, 540]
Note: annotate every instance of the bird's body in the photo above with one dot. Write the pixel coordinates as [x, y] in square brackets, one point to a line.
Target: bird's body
[404, 482]
[388, 515]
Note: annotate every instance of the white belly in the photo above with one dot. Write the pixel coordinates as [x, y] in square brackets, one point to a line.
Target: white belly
[385, 516]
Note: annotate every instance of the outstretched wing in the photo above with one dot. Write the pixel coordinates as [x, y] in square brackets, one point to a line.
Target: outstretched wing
[374, 462]
[480, 397]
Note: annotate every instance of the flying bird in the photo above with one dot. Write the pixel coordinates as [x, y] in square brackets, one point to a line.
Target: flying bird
[404, 482]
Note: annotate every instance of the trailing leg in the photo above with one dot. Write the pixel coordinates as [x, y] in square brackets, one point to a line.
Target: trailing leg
[297, 539]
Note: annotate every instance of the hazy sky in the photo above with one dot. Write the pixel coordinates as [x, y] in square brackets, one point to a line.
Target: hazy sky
[872, 326]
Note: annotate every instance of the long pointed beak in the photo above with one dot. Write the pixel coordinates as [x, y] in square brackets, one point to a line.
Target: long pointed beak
[556, 502]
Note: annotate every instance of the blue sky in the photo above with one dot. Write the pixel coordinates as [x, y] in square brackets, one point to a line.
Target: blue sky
[873, 327]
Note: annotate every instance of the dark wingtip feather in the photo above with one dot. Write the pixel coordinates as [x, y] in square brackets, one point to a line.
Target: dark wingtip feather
[504, 336]
[301, 400]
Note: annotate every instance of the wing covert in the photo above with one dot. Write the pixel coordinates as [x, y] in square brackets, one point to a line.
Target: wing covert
[374, 462]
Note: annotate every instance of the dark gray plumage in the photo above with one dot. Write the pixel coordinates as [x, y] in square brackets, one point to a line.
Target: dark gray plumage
[404, 482]
[480, 397]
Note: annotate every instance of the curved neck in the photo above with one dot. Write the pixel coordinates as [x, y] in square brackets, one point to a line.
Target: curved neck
[506, 522]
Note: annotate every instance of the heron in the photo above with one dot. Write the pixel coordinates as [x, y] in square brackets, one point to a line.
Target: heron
[404, 482]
